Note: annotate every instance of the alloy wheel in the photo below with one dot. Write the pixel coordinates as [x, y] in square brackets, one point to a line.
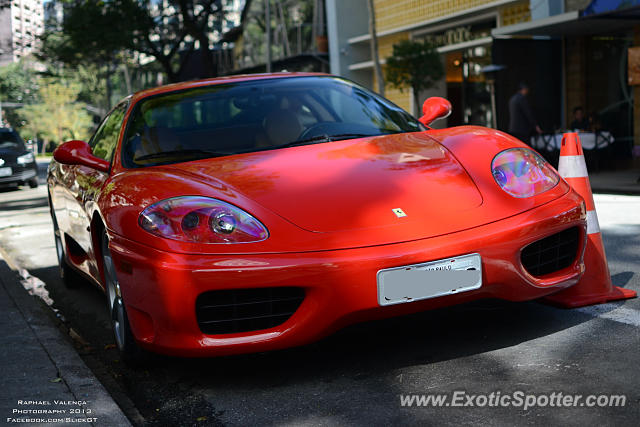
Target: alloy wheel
[116, 306]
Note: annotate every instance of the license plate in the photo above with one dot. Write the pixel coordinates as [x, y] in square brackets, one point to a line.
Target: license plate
[5, 171]
[429, 280]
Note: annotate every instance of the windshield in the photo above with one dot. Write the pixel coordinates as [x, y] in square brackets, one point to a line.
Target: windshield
[232, 118]
[10, 140]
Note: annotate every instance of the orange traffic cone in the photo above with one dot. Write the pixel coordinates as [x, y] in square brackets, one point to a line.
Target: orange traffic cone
[595, 286]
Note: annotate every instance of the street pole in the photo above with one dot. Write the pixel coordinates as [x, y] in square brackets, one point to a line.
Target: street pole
[494, 118]
[375, 56]
[267, 26]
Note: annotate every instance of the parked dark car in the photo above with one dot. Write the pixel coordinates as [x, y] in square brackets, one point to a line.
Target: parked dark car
[17, 164]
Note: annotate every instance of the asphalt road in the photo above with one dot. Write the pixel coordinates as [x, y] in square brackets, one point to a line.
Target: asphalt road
[359, 375]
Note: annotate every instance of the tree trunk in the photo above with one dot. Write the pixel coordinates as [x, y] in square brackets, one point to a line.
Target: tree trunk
[165, 62]
[207, 57]
[127, 77]
[374, 47]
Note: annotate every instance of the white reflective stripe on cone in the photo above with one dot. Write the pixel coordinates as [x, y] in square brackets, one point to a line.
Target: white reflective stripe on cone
[593, 226]
[572, 167]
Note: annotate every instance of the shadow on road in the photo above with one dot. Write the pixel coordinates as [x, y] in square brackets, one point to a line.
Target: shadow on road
[9, 188]
[363, 358]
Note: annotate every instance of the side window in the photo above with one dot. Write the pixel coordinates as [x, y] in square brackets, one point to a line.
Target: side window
[106, 137]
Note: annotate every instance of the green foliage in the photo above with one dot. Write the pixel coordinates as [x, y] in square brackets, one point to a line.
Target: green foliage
[57, 116]
[253, 37]
[95, 30]
[18, 82]
[414, 64]
[98, 31]
[87, 77]
[106, 137]
[45, 105]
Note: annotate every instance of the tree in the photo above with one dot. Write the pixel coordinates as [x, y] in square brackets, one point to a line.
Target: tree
[168, 31]
[414, 64]
[18, 85]
[291, 28]
[58, 116]
[374, 47]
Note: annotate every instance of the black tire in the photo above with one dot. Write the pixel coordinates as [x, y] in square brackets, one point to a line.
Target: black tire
[68, 275]
[33, 183]
[125, 342]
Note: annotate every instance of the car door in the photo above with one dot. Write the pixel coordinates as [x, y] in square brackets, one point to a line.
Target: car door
[87, 182]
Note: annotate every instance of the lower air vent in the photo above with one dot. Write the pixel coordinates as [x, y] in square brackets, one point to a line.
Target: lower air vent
[244, 310]
[552, 253]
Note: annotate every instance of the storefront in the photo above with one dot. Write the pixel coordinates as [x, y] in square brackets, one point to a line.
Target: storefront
[461, 31]
[466, 52]
[588, 56]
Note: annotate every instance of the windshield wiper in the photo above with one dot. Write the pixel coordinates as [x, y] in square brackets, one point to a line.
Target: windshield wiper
[322, 138]
[187, 153]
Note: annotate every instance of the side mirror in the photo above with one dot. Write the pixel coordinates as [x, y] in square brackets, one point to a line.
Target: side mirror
[433, 109]
[79, 153]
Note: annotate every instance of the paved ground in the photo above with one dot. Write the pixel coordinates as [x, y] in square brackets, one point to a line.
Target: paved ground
[616, 181]
[43, 380]
[358, 376]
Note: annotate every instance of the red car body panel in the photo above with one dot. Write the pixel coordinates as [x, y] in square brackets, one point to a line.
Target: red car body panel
[328, 209]
[161, 287]
[346, 205]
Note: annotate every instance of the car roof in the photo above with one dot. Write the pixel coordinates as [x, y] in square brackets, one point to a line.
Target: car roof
[217, 80]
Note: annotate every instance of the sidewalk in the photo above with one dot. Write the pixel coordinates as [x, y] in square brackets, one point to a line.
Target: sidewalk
[44, 381]
[616, 182]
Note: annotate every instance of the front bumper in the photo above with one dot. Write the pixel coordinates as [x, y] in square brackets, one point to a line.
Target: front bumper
[160, 288]
[21, 174]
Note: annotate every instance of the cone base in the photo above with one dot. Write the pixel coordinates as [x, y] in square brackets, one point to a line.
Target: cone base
[564, 301]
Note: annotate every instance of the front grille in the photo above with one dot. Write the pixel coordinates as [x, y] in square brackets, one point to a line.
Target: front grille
[242, 310]
[552, 253]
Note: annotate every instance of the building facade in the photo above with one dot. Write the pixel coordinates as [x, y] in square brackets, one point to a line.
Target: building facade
[460, 29]
[570, 52]
[21, 22]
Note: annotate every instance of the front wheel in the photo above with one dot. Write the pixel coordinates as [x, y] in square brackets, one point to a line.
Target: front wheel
[69, 276]
[125, 341]
[33, 183]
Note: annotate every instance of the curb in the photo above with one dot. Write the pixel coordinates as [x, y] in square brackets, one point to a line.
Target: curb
[73, 372]
[617, 191]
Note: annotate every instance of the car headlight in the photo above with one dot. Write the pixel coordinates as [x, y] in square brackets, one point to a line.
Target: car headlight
[201, 220]
[25, 159]
[522, 172]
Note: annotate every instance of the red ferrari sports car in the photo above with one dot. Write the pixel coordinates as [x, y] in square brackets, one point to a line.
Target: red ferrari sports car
[252, 213]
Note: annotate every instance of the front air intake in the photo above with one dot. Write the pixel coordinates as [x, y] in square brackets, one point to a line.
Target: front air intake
[244, 310]
[551, 254]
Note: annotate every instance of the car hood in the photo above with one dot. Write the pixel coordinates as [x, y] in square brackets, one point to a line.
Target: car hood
[402, 180]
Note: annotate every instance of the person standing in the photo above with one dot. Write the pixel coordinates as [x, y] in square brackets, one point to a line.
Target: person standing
[580, 121]
[522, 123]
